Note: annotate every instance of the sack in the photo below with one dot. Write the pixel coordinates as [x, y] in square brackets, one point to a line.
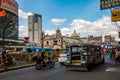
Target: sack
[34, 57]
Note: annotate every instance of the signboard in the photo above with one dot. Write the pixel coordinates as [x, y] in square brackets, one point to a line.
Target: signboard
[115, 15]
[107, 38]
[113, 39]
[10, 5]
[105, 4]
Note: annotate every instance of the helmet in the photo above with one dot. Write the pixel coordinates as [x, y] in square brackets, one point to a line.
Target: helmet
[37, 50]
[42, 50]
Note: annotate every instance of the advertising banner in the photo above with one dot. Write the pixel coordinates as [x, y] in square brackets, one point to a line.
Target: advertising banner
[10, 5]
[106, 4]
[115, 16]
[108, 38]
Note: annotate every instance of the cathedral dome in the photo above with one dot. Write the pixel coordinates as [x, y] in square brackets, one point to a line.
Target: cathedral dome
[74, 34]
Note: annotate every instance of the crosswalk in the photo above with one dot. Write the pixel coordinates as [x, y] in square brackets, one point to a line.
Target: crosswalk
[111, 69]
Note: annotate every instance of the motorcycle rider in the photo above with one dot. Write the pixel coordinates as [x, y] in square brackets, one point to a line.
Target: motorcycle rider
[43, 57]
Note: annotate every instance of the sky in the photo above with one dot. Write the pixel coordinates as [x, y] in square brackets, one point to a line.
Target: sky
[84, 16]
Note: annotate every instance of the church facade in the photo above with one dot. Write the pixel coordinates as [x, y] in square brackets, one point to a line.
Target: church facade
[58, 41]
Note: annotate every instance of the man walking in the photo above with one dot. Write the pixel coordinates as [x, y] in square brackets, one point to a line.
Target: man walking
[4, 58]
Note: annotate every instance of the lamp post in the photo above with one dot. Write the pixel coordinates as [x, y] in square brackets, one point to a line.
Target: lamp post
[42, 42]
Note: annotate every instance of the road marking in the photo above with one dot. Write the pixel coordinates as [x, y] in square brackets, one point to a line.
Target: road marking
[113, 69]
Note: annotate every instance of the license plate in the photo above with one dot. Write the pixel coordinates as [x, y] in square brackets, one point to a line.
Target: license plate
[76, 61]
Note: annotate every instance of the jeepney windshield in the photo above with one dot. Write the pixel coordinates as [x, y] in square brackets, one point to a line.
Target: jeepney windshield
[75, 50]
[78, 49]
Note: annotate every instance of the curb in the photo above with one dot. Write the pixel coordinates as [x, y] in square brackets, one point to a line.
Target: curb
[17, 67]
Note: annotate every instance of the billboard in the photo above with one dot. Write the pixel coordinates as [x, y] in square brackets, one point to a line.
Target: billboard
[9, 5]
[106, 4]
[108, 38]
[115, 15]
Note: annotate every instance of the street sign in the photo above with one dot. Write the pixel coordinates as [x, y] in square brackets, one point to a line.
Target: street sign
[115, 16]
[106, 4]
[26, 39]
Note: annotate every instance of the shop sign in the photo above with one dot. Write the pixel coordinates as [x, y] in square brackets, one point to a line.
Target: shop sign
[10, 5]
[106, 4]
[107, 38]
[115, 16]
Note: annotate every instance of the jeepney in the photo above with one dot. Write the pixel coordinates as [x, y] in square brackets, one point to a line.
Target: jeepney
[84, 56]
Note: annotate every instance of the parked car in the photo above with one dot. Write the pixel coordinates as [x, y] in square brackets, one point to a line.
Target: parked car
[63, 57]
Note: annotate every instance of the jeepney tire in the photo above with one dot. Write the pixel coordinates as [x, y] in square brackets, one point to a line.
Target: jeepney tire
[87, 68]
[93, 63]
[61, 63]
[103, 60]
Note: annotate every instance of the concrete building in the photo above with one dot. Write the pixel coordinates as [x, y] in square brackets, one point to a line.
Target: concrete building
[35, 29]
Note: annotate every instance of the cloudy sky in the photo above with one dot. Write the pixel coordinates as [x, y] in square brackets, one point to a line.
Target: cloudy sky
[84, 16]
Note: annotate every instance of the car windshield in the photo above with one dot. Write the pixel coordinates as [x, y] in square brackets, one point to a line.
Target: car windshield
[64, 52]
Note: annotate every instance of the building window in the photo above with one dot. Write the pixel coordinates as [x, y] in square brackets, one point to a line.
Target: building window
[47, 42]
[55, 42]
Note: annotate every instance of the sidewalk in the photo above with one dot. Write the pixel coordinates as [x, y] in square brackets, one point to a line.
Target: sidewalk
[19, 65]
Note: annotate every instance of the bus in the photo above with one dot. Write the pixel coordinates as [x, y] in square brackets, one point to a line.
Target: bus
[84, 56]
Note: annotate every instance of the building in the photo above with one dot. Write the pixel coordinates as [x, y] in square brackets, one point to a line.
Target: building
[95, 39]
[109, 40]
[9, 22]
[35, 29]
[57, 41]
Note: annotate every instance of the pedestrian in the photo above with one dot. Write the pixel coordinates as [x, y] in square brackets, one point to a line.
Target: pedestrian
[112, 55]
[109, 51]
[4, 58]
[117, 56]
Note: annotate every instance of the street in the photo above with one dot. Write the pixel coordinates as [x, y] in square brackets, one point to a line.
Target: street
[81, 33]
[107, 71]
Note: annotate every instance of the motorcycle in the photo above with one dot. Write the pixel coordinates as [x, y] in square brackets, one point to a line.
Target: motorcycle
[40, 64]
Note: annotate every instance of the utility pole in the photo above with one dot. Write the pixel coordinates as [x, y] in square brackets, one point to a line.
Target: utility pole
[42, 42]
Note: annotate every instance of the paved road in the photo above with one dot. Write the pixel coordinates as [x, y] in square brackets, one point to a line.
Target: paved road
[108, 71]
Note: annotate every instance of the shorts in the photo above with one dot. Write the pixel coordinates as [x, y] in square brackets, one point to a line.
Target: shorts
[4, 60]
